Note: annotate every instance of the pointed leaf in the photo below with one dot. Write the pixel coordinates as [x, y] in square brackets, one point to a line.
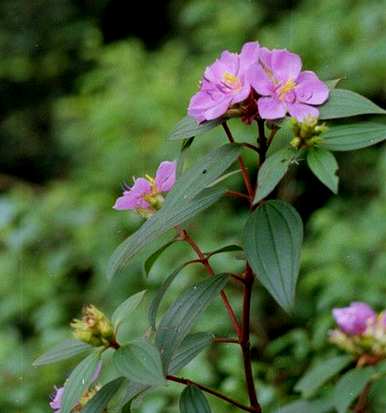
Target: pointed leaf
[227, 248]
[273, 238]
[150, 261]
[127, 392]
[349, 386]
[343, 103]
[99, 402]
[187, 199]
[320, 373]
[332, 84]
[324, 166]
[272, 171]
[178, 320]
[353, 136]
[155, 303]
[140, 362]
[192, 400]
[80, 379]
[64, 350]
[126, 308]
[188, 127]
[186, 144]
[191, 346]
[324, 405]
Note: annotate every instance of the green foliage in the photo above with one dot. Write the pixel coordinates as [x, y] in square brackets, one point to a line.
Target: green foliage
[193, 401]
[324, 165]
[273, 237]
[95, 114]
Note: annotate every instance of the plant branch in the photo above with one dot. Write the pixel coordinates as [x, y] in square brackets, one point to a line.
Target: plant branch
[263, 147]
[360, 407]
[226, 340]
[243, 168]
[213, 392]
[186, 237]
[245, 343]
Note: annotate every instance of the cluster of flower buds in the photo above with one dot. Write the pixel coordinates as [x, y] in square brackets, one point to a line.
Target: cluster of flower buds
[57, 397]
[258, 82]
[361, 331]
[307, 133]
[146, 195]
[93, 328]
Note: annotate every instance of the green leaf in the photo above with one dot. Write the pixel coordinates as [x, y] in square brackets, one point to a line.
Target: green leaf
[100, 401]
[79, 380]
[191, 346]
[272, 171]
[155, 303]
[282, 137]
[178, 320]
[126, 308]
[150, 261]
[324, 166]
[273, 237]
[307, 406]
[227, 248]
[349, 386]
[187, 199]
[353, 136]
[343, 103]
[188, 127]
[64, 350]
[140, 362]
[332, 84]
[127, 392]
[186, 144]
[192, 400]
[320, 373]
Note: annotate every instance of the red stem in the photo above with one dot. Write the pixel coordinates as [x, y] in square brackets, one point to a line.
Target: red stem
[213, 392]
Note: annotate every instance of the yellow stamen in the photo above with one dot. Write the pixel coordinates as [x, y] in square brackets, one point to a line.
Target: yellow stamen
[287, 87]
[232, 80]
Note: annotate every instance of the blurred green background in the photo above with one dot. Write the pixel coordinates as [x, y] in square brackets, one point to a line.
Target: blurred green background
[89, 91]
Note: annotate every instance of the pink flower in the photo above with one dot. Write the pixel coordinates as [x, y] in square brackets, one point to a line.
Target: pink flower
[145, 190]
[355, 319]
[224, 84]
[56, 399]
[284, 87]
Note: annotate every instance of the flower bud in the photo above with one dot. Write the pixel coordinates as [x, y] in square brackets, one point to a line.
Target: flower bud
[94, 328]
[307, 133]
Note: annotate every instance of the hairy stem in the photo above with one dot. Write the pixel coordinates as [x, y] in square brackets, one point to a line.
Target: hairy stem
[243, 168]
[245, 342]
[263, 146]
[213, 392]
[186, 237]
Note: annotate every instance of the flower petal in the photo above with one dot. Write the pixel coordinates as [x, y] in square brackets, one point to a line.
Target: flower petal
[242, 94]
[231, 61]
[249, 55]
[301, 111]
[311, 90]
[134, 198]
[218, 109]
[271, 108]
[260, 81]
[285, 65]
[165, 177]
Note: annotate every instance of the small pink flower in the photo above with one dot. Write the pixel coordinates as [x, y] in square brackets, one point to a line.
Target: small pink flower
[224, 84]
[56, 399]
[284, 87]
[139, 196]
[355, 319]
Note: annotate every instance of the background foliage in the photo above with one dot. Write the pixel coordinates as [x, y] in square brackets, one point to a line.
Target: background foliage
[89, 91]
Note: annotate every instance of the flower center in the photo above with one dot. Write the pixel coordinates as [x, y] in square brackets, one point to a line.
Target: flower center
[289, 86]
[232, 81]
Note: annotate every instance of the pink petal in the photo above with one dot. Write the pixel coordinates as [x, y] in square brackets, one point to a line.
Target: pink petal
[260, 81]
[134, 198]
[165, 177]
[249, 55]
[199, 104]
[218, 109]
[215, 72]
[285, 65]
[242, 94]
[311, 90]
[300, 111]
[231, 61]
[271, 108]
[265, 57]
